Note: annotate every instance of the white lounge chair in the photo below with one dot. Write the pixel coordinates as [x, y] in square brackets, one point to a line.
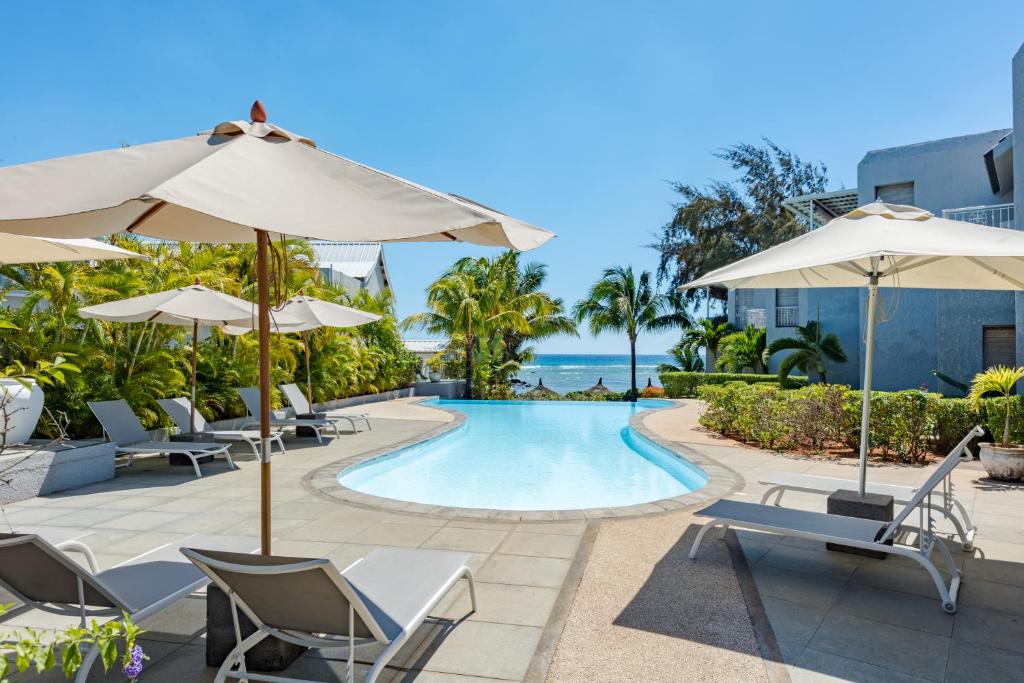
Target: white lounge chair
[780, 482]
[852, 531]
[123, 428]
[180, 410]
[40, 575]
[381, 599]
[251, 399]
[300, 403]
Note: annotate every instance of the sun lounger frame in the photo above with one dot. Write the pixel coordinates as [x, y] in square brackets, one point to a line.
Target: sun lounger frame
[179, 409]
[301, 405]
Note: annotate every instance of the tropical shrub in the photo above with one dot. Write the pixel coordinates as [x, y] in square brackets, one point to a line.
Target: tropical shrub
[999, 380]
[743, 350]
[685, 384]
[652, 392]
[993, 416]
[954, 417]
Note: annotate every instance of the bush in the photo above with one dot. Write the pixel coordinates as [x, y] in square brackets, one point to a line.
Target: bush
[954, 417]
[652, 392]
[684, 384]
[534, 395]
[994, 417]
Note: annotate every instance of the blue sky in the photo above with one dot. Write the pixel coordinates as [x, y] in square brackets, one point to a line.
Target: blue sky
[571, 115]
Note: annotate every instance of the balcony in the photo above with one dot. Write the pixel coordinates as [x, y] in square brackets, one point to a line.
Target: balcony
[787, 316]
[993, 215]
[758, 317]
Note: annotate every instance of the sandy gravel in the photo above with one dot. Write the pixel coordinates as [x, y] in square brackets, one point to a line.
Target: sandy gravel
[644, 612]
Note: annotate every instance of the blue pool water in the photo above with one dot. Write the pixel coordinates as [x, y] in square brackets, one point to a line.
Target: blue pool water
[526, 455]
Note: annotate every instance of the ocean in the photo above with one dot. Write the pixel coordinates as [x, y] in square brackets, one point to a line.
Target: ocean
[566, 372]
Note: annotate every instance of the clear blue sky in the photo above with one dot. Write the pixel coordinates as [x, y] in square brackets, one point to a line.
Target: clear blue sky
[571, 115]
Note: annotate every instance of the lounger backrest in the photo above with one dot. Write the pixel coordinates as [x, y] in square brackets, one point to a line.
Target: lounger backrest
[251, 399]
[118, 421]
[296, 398]
[940, 473]
[180, 410]
[33, 569]
[288, 593]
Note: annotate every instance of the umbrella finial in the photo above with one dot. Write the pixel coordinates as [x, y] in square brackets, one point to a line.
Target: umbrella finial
[197, 281]
[258, 113]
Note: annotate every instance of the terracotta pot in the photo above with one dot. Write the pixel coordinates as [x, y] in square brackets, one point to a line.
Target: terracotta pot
[1003, 463]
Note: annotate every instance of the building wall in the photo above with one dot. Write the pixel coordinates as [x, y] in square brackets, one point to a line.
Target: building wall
[1017, 67]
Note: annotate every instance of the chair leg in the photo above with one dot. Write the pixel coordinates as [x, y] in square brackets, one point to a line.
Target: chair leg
[768, 494]
[968, 537]
[227, 455]
[472, 588]
[195, 465]
[700, 535]
[319, 438]
[254, 445]
[276, 438]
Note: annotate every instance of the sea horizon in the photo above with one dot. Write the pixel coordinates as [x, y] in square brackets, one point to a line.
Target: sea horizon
[563, 372]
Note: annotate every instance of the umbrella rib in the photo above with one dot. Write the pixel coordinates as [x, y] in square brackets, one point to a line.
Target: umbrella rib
[146, 215]
[995, 271]
[899, 268]
[852, 267]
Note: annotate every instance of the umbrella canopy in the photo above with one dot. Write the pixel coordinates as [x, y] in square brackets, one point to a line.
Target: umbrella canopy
[193, 305]
[886, 245]
[15, 249]
[243, 182]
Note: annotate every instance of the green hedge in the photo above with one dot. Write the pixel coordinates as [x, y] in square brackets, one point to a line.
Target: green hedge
[684, 384]
[905, 425]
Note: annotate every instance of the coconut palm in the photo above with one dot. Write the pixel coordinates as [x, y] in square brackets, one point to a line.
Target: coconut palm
[622, 302]
[997, 380]
[687, 360]
[810, 350]
[707, 334]
[743, 350]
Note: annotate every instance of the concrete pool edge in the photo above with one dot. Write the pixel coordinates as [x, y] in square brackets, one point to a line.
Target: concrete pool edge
[722, 481]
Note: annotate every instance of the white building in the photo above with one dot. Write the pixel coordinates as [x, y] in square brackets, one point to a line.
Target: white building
[354, 265]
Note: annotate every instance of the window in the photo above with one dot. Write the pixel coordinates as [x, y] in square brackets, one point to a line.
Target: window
[897, 193]
[744, 302]
[787, 307]
[999, 346]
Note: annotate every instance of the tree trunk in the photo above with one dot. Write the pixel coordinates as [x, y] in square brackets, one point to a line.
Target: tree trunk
[1006, 425]
[469, 367]
[632, 368]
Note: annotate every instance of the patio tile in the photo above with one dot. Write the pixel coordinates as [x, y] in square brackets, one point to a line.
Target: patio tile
[189, 505]
[988, 627]
[544, 572]
[893, 607]
[302, 509]
[136, 502]
[575, 528]
[404, 535]
[540, 545]
[347, 553]
[807, 589]
[34, 516]
[989, 568]
[484, 649]
[892, 647]
[206, 522]
[473, 524]
[897, 577]
[473, 540]
[142, 520]
[323, 530]
[503, 604]
[969, 662]
[187, 663]
[792, 621]
[180, 623]
[817, 666]
[291, 548]
[820, 561]
[996, 596]
[755, 544]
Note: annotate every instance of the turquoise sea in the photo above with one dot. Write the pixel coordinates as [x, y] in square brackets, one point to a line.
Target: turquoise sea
[566, 372]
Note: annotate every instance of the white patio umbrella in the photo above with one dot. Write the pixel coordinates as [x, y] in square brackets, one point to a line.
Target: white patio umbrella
[243, 182]
[193, 305]
[885, 245]
[311, 314]
[15, 249]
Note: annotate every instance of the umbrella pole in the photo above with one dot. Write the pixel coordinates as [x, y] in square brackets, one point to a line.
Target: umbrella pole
[309, 380]
[192, 411]
[869, 360]
[263, 288]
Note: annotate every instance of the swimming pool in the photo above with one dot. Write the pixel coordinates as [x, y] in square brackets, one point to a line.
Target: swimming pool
[531, 455]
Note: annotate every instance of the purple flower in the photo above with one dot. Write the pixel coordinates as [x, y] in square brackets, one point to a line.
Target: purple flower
[134, 666]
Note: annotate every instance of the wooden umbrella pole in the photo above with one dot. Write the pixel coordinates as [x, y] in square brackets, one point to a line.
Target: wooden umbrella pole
[195, 343]
[309, 377]
[263, 288]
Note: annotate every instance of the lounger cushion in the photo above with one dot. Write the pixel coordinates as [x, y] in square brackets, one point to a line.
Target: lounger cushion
[164, 572]
[398, 584]
[169, 447]
[787, 520]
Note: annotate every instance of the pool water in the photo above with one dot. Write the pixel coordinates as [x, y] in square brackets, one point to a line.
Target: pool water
[532, 455]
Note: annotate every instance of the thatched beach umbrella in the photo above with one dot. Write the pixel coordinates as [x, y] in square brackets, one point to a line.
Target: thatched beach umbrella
[243, 181]
[541, 389]
[599, 388]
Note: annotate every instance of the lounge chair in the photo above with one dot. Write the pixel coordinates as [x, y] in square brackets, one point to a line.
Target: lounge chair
[780, 482]
[125, 430]
[853, 531]
[41, 576]
[180, 411]
[381, 599]
[301, 405]
[251, 399]
[67, 539]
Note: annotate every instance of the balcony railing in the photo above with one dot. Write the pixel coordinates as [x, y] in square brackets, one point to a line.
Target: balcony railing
[758, 317]
[993, 215]
[787, 316]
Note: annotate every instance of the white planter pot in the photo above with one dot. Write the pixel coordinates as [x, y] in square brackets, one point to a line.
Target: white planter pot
[434, 376]
[20, 408]
[1003, 463]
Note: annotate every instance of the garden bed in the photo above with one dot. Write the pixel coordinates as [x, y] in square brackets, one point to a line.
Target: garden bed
[26, 472]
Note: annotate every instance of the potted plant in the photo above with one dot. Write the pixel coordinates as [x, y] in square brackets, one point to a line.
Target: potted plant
[436, 365]
[1002, 461]
[21, 397]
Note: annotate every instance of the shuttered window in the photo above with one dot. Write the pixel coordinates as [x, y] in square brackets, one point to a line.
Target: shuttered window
[1000, 346]
[744, 302]
[897, 193]
[787, 307]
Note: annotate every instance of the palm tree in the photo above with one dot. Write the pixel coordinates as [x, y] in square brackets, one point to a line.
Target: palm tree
[622, 302]
[997, 380]
[686, 359]
[707, 334]
[811, 350]
[743, 350]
